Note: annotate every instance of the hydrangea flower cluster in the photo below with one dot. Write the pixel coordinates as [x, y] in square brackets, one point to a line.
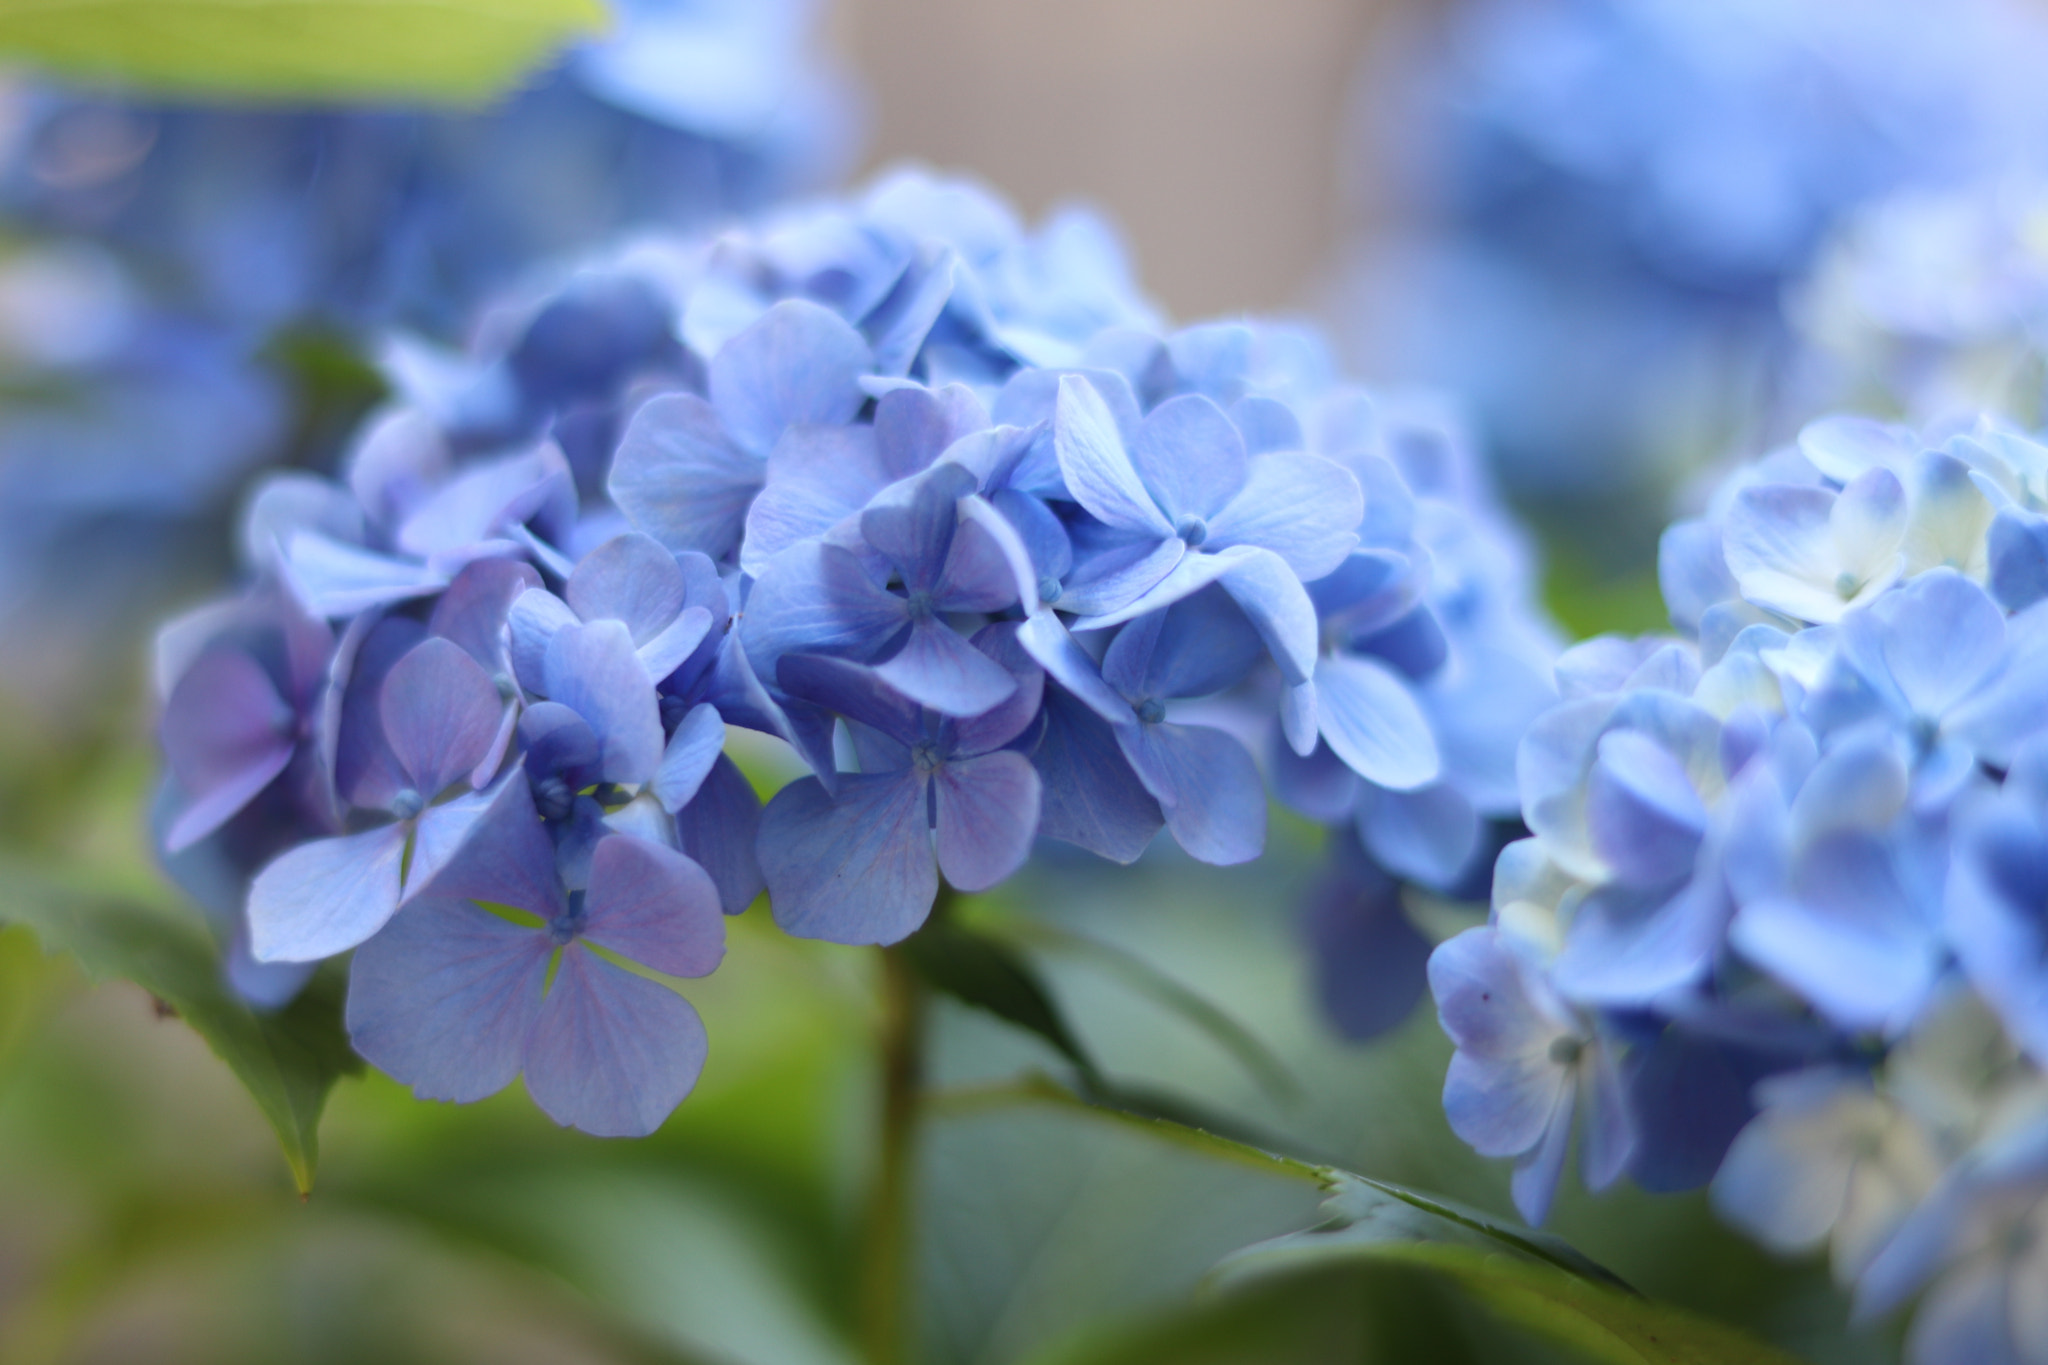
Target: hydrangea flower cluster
[1932, 303]
[1615, 188]
[161, 251]
[932, 501]
[1778, 922]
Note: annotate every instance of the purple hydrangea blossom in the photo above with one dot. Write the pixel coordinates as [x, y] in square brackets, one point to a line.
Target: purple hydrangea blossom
[931, 502]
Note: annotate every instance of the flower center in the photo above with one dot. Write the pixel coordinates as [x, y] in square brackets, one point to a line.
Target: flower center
[920, 604]
[1193, 530]
[565, 927]
[925, 755]
[1151, 710]
[407, 804]
[1566, 1051]
[1049, 590]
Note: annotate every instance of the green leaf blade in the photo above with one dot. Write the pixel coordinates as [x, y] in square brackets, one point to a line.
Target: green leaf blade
[288, 1060]
[441, 51]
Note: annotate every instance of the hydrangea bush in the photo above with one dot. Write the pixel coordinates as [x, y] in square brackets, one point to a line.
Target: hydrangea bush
[930, 500]
[1778, 921]
[1627, 188]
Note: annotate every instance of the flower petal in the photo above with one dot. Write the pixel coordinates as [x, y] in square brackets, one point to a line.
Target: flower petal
[1207, 787]
[629, 578]
[818, 477]
[718, 830]
[326, 896]
[1097, 468]
[1190, 456]
[798, 364]
[593, 670]
[855, 869]
[444, 998]
[937, 668]
[1372, 722]
[440, 712]
[1304, 508]
[655, 906]
[612, 1054]
[679, 479]
[1090, 796]
[692, 750]
[987, 812]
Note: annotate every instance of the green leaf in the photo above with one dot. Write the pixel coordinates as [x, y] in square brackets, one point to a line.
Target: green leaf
[298, 50]
[979, 970]
[1134, 971]
[1366, 1234]
[289, 1060]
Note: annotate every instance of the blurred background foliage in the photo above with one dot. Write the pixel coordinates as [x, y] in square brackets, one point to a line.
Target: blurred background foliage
[145, 1214]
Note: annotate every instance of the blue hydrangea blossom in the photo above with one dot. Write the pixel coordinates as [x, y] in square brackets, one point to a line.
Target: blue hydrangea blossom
[930, 500]
[1786, 870]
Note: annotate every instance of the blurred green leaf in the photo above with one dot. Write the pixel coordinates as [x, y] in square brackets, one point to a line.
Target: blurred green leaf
[979, 970]
[1530, 1282]
[1133, 971]
[1039, 1217]
[288, 1060]
[1089, 1218]
[436, 50]
[1591, 600]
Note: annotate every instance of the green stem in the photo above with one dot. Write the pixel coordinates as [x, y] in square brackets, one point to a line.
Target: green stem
[886, 1268]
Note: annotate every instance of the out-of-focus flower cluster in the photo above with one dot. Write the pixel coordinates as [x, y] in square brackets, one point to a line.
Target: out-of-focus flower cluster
[931, 500]
[1785, 883]
[1928, 304]
[1614, 195]
[161, 252]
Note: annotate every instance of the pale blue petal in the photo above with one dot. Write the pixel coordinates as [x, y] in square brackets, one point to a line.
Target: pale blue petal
[325, 897]
[592, 670]
[719, 829]
[1190, 458]
[818, 477]
[676, 642]
[1109, 581]
[1643, 815]
[1207, 787]
[1096, 466]
[1850, 938]
[855, 691]
[695, 746]
[857, 869]
[611, 1054]
[497, 851]
[987, 812]
[816, 598]
[1692, 571]
[654, 906]
[1369, 960]
[1943, 636]
[798, 364]
[535, 617]
[1091, 797]
[677, 477]
[1370, 719]
[1304, 508]
[335, 580]
[441, 712]
[444, 999]
[1429, 835]
[474, 610]
[629, 578]
[1063, 659]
